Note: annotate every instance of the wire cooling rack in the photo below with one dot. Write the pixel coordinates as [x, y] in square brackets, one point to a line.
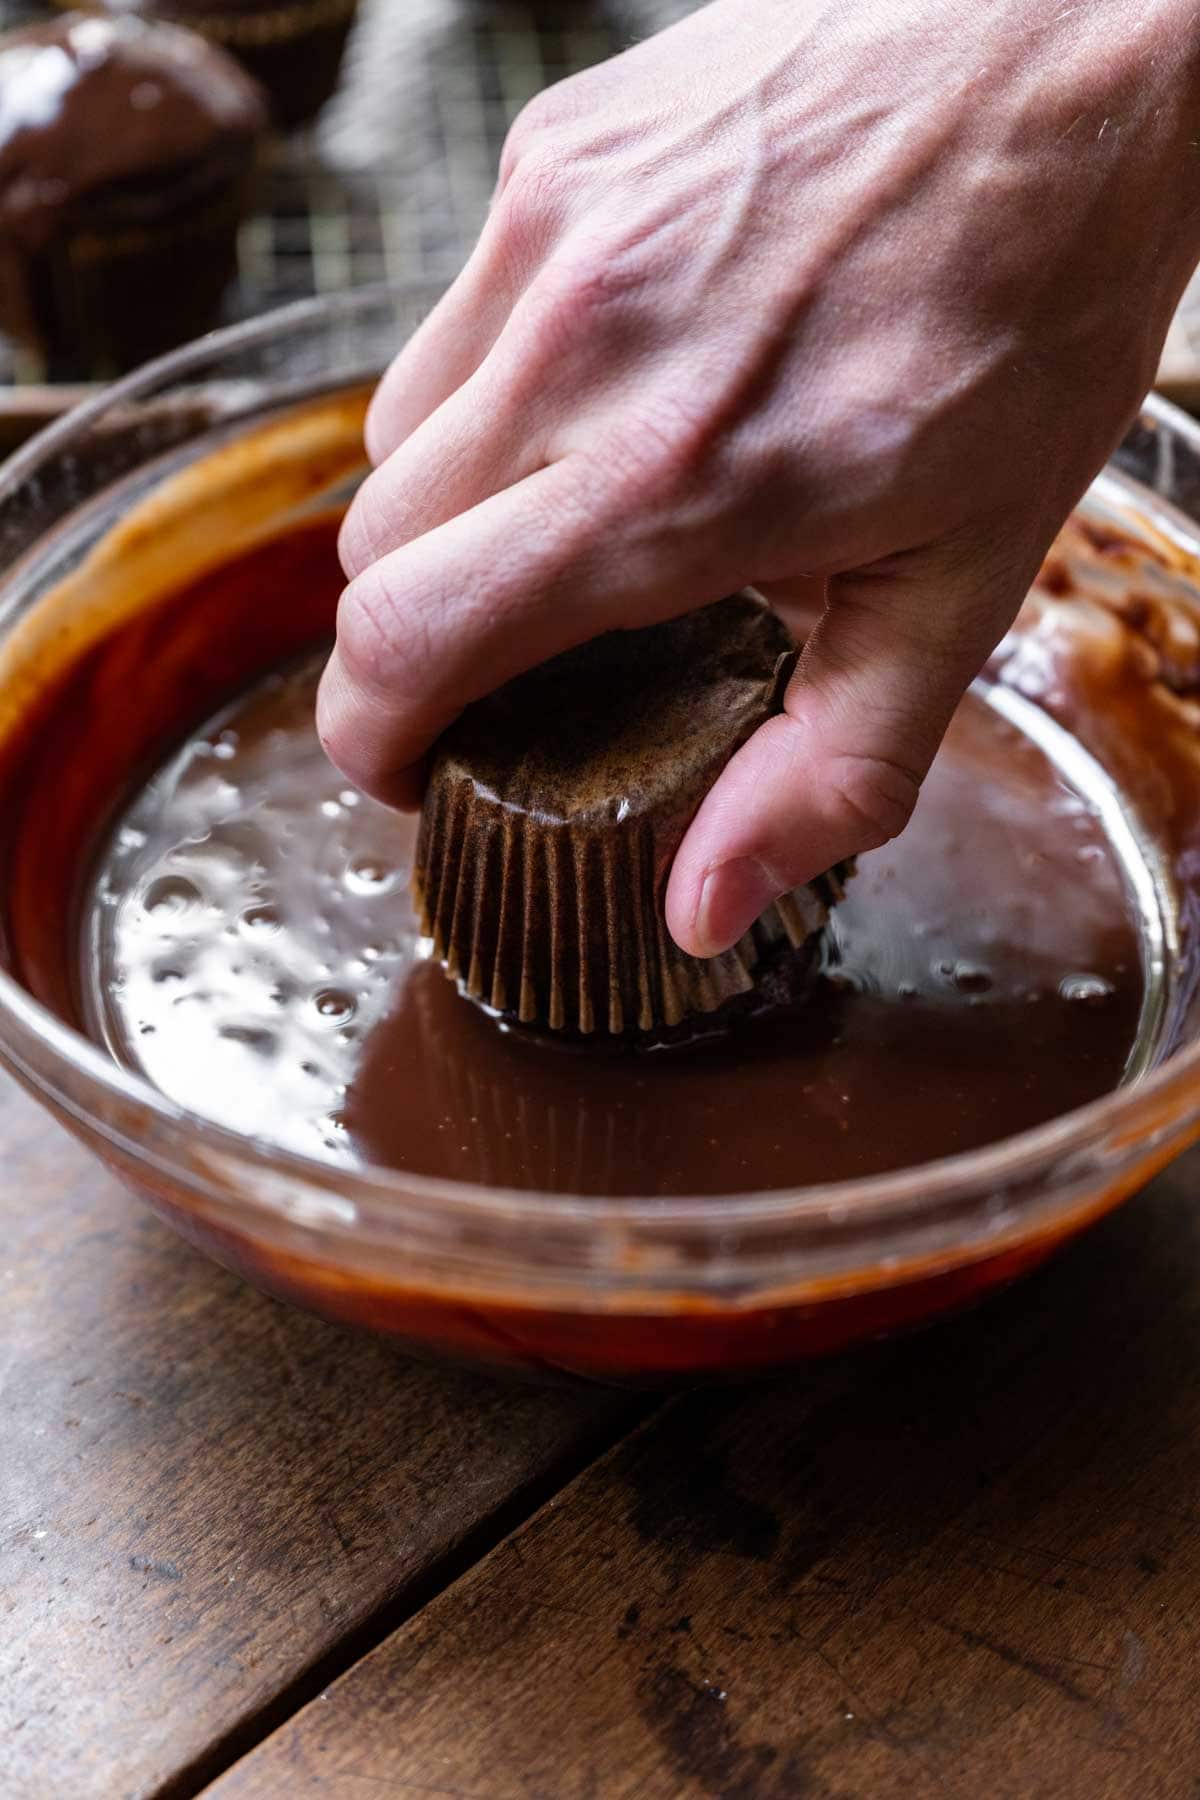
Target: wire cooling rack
[394, 179]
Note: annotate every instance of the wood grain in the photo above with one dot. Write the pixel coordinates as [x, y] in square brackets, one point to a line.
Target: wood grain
[963, 1565]
[202, 1494]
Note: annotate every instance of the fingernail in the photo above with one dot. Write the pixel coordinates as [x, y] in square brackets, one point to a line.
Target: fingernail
[731, 897]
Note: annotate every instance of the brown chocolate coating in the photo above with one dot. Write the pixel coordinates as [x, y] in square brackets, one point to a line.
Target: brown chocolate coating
[556, 805]
[250, 952]
[293, 47]
[1006, 874]
[125, 156]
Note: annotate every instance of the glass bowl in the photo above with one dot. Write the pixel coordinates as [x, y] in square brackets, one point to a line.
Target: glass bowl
[544, 1283]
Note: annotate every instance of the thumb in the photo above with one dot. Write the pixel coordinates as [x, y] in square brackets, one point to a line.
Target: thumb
[838, 771]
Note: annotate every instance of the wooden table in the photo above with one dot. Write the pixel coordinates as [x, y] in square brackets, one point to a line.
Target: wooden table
[246, 1555]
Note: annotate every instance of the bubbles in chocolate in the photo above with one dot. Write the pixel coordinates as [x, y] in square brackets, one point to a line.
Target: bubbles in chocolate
[1087, 990]
[971, 978]
[331, 1004]
[367, 877]
[171, 894]
[260, 918]
[222, 932]
[279, 985]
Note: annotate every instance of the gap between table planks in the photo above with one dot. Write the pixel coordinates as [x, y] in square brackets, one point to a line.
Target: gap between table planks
[963, 1564]
[210, 1503]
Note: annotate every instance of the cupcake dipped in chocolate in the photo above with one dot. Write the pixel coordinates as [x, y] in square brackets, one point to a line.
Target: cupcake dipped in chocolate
[293, 47]
[553, 813]
[127, 153]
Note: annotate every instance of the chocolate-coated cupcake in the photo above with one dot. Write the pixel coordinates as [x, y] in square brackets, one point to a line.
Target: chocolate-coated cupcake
[126, 160]
[293, 47]
[554, 810]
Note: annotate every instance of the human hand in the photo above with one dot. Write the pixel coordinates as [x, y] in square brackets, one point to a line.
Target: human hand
[849, 300]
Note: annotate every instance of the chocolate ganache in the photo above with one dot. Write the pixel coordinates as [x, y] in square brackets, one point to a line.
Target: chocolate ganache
[251, 947]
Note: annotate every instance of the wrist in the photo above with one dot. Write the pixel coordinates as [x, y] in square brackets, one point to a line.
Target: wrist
[1108, 103]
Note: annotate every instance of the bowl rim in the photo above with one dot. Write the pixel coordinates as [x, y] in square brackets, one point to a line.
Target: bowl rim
[1157, 1108]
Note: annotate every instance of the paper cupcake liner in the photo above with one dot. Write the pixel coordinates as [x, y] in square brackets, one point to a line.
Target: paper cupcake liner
[560, 926]
[554, 810]
[111, 293]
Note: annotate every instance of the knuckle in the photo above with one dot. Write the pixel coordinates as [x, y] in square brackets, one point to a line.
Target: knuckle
[531, 204]
[379, 432]
[539, 119]
[521, 136]
[666, 447]
[572, 529]
[383, 646]
[355, 543]
[578, 294]
[369, 530]
[878, 793]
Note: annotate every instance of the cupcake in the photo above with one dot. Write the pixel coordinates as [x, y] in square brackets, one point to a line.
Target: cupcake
[554, 810]
[293, 47]
[127, 153]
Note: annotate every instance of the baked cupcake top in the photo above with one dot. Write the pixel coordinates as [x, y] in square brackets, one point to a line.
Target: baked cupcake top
[627, 725]
[556, 805]
[294, 47]
[91, 105]
[219, 11]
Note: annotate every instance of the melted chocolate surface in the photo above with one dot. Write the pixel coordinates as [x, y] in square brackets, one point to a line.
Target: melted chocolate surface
[250, 947]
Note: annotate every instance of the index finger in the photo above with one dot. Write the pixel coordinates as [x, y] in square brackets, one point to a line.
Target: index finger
[538, 568]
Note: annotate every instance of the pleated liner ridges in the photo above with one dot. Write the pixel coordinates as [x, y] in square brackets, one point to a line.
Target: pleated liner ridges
[559, 925]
